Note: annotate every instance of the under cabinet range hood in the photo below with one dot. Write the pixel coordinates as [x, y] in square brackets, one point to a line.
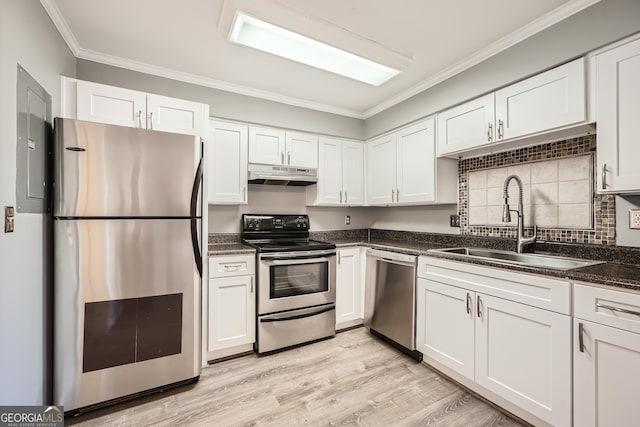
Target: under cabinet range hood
[281, 175]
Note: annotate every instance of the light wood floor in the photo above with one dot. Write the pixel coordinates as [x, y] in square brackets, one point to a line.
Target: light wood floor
[352, 379]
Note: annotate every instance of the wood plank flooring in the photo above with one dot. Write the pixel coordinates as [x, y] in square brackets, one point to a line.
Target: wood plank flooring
[350, 380]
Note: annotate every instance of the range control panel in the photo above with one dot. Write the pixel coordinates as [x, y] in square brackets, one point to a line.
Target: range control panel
[252, 222]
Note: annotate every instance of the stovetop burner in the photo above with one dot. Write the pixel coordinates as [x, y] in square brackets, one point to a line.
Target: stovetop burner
[280, 233]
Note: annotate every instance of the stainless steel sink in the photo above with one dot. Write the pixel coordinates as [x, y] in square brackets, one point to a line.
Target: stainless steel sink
[512, 258]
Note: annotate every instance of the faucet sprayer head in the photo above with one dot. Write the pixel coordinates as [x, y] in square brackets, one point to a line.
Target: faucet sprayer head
[506, 212]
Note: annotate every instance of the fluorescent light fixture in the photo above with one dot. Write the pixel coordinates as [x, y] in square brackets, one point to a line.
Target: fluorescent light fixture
[270, 38]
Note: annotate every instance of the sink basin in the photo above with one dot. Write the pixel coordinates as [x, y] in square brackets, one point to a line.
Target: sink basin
[513, 258]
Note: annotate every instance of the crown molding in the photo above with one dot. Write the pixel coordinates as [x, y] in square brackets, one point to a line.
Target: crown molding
[540, 24]
[521, 34]
[61, 24]
[212, 83]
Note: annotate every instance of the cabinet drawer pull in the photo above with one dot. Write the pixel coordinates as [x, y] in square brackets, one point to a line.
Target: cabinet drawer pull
[604, 176]
[478, 302]
[490, 132]
[581, 336]
[232, 267]
[468, 303]
[618, 309]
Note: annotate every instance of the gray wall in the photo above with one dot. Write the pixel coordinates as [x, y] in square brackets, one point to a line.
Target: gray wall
[598, 25]
[224, 104]
[624, 235]
[27, 37]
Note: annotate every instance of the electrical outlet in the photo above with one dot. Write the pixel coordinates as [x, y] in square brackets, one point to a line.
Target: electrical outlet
[347, 219]
[454, 221]
[634, 218]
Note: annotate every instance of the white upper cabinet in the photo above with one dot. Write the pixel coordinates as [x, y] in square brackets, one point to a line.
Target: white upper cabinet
[381, 170]
[353, 172]
[468, 125]
[111, 105]
[340, 173]
[117, 106]
[618, 111]
[266, 145]
[548, 101]
[402, 168]
[302, 149]
[227, 145]
[277, 147]
[175, 115]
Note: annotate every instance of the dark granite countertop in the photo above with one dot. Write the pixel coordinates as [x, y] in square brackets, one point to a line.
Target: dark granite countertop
[229, 249]
[621, 266]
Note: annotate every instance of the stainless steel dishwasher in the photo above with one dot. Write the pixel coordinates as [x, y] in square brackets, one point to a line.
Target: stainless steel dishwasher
[390, 299]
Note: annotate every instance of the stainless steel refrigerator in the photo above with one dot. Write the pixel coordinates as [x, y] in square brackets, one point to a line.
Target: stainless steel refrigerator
[127, 261]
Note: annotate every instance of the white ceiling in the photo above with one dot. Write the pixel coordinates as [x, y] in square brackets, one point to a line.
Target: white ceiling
[187, 40]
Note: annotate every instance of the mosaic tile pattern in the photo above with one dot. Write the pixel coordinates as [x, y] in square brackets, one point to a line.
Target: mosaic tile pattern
[603, 229]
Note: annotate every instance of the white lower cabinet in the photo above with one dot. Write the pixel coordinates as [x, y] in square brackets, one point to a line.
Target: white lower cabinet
[349, 289]
[606, 357]
[231, 313]
[482, 324]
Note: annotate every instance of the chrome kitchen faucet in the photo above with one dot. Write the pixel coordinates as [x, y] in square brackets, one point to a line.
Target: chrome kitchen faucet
[521, 241]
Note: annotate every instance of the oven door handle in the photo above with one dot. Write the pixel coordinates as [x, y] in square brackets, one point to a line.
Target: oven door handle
[290, 261]
[298, 316]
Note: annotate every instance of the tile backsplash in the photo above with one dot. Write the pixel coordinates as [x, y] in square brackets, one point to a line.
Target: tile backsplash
[558, 193]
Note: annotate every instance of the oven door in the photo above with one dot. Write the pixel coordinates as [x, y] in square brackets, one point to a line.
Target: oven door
[292, 280]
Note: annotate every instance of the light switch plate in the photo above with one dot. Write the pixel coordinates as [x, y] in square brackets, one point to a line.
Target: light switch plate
[347, 219]
[9, 213]
[634, 218]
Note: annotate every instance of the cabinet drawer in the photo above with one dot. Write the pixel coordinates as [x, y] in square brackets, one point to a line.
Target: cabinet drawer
[535, 290]
[610, 307]
[232, 265]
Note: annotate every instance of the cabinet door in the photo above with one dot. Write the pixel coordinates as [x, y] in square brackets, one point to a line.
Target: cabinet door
[349, 295]
[266, 146]
[415, 181]
[381, 170]
[618, 110]
[523, 354]
[231, 312]
[548, 100]
[468, 125]
[606, 376]
[111, 105]
[445, 325]
[330, 171]
[227, 162]
[302, 150]
[176, 115]
[353, 172]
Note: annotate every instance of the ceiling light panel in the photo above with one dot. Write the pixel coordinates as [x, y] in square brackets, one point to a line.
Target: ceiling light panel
[252, 32]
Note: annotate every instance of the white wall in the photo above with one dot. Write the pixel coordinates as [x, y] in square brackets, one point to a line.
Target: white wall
[284, 200]
[27, 37]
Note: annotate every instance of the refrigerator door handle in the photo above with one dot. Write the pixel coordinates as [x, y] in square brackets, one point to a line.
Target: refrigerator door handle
[194, 222]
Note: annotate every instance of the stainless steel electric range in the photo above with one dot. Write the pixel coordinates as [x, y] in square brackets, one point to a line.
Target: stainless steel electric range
[296, 281]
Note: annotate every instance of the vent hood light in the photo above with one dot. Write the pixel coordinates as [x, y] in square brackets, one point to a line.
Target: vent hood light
[272, 39]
